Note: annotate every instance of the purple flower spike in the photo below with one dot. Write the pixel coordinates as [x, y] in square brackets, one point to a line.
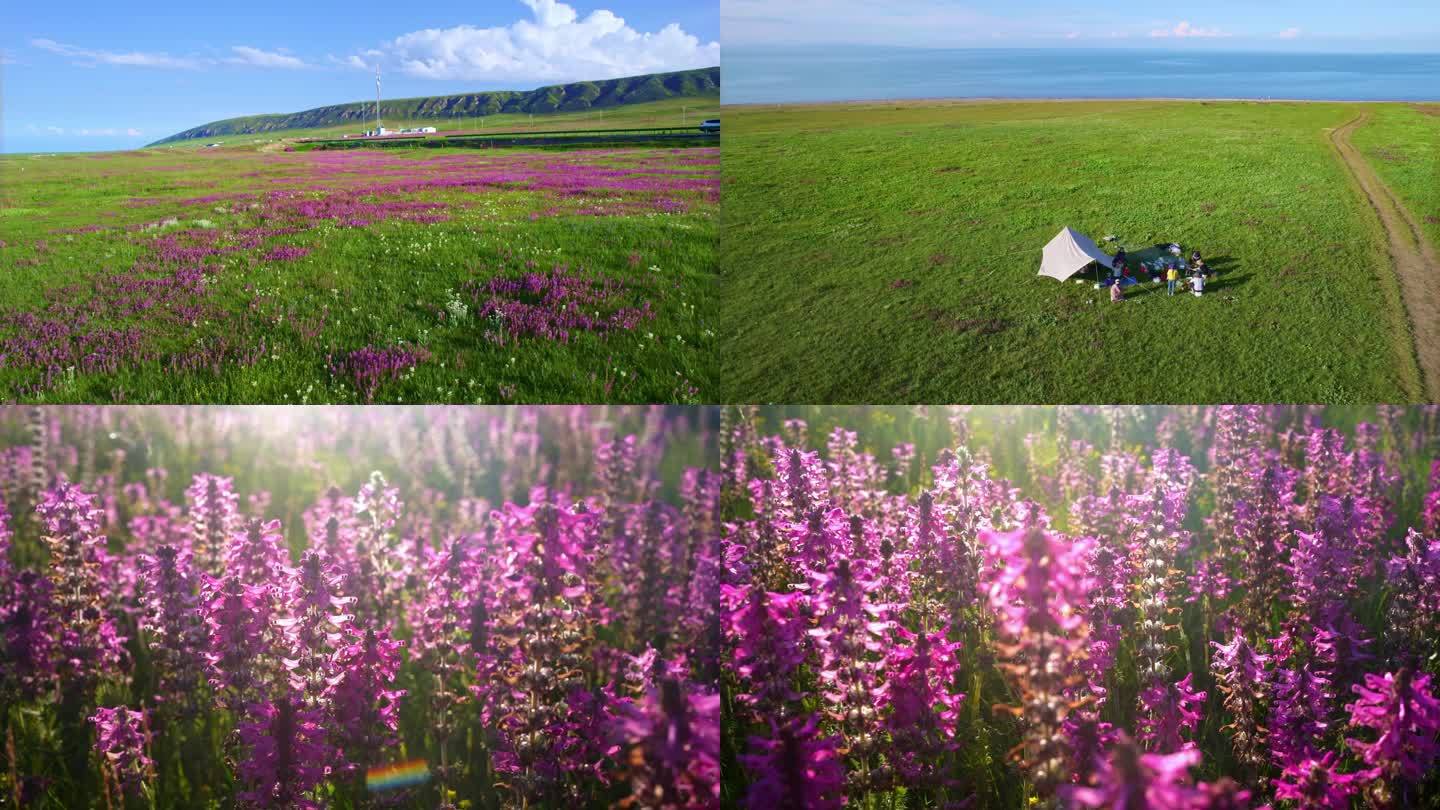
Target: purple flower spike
[1402, 709]
[364, 700]
[795, 768]
[1242, 676]
[924, 707]
[174, 623]
[768, 638]
[1168, 710]
[1039, 593]
[238, 623]
[1131, 779]
[89, 645]
[122, 736]
[674, 737]
[1318, 784]
[1430, 514]
[288, 756]
[214, 517]
[256, 555]
[29, 636]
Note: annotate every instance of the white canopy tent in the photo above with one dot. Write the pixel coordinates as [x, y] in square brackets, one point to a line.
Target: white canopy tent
[1069, 253]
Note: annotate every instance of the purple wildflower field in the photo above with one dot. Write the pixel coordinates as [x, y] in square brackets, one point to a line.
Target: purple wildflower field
[284, 607]
[238, 276]
[1120, 607]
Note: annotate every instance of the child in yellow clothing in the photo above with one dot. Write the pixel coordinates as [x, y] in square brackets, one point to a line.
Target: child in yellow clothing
[1172, 277]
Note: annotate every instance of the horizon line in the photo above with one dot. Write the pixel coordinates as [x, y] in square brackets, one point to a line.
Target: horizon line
[1063, 44]
[1064, 99]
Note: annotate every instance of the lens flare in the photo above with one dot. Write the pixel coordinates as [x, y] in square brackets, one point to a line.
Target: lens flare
[398, 775]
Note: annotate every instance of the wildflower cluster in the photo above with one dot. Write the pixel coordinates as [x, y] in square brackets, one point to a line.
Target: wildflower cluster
[275, 650]
[1219, 607]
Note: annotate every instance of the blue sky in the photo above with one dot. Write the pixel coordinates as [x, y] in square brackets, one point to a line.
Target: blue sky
[1379, 26]
[96, 74]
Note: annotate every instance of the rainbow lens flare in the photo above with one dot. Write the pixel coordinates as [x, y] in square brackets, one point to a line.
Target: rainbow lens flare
[401, 774]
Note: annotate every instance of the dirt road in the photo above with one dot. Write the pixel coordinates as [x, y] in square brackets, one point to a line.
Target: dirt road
[1415, 260]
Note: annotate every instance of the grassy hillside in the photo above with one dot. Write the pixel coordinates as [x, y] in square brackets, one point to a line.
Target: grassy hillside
[669, 112]
[579, 97]
[888, 252]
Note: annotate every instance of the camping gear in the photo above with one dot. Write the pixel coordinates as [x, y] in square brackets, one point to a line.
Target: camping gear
[1069, 253]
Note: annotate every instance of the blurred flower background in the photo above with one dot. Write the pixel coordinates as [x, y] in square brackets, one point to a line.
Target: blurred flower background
[1127, 607]
[359, 607]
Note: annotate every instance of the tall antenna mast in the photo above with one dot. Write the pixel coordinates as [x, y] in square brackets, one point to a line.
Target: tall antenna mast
[377, 99]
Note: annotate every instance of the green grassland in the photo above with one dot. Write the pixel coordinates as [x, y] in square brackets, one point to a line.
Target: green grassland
[670, 112]
[887, 252]
[1402, 142]
[72, 220]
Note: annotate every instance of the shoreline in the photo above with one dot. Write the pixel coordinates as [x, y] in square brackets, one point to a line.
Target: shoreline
[961, 100]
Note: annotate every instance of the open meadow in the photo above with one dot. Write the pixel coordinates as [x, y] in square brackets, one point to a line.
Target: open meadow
[404, 275]
[887, 252]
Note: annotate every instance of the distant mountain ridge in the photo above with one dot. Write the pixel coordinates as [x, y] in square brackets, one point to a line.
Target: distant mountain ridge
[554, 98]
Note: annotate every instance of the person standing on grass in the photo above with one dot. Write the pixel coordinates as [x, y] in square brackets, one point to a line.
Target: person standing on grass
[1116, 295]
[1197, 285]
[1172, 277]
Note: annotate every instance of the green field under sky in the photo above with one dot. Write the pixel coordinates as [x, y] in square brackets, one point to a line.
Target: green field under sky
[887, 252]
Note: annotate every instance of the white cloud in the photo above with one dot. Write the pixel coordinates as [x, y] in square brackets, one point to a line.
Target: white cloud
[1072, 35]
[1289, 33]
[246, 55]
[90, 58]
[102, 132]
[1184, 29]
[7, 59]
[555, 45]
[243, 55]
[349, 62]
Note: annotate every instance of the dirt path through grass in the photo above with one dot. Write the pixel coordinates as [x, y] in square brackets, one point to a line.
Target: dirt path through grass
[1414, 258]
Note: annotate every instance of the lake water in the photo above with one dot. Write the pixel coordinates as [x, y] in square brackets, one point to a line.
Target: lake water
[768, 75]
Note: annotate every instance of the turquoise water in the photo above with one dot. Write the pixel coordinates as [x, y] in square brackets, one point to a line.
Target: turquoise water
[755, 74]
